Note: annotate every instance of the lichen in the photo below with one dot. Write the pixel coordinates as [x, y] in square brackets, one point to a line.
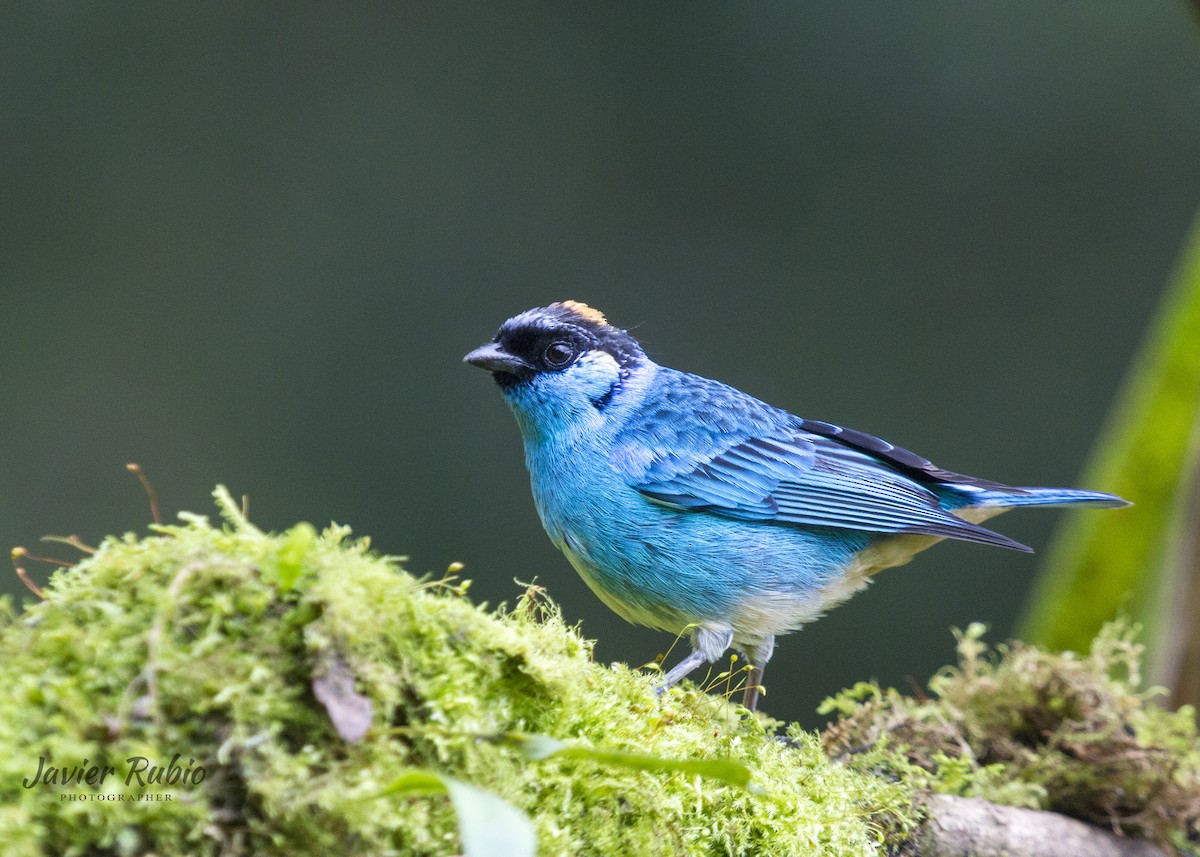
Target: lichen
[204, 641]
[1021, 726]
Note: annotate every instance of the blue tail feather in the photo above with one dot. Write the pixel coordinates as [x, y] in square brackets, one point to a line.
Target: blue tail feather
[1047, 497]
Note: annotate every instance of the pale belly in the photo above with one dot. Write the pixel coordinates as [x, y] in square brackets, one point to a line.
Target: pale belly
[756, 579]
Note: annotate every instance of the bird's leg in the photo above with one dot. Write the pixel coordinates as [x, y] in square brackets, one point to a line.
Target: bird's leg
[678, 671]
[758, 656]
[708, 644]
[750, 697]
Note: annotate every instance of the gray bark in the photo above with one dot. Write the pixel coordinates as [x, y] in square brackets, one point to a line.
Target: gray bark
[969, 827]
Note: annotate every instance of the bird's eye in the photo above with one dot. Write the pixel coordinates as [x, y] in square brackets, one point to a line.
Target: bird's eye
[558, 354]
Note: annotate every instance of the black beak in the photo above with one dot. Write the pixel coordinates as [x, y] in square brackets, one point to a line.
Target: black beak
[495, 359]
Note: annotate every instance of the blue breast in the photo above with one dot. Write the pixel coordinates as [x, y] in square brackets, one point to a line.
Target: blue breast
[664, 567]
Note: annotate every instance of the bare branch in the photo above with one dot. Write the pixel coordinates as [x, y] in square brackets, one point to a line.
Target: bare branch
[970, 827]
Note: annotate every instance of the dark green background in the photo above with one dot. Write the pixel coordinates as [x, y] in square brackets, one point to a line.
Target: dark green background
[250, 244]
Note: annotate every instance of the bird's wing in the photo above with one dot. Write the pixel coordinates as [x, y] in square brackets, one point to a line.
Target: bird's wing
[731, 455]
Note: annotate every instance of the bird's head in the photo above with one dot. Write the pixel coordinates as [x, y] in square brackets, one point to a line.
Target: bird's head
[559, 364]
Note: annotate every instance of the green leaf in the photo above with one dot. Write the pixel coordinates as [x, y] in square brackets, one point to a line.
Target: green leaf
[487, 825]
[535, 747]
[1105, 564]
[539, 747]
[414, 782]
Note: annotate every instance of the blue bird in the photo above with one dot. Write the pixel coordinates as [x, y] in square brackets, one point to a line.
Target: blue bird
[689, 506]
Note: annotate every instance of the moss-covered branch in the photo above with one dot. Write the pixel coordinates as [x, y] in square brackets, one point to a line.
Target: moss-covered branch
[251, 693]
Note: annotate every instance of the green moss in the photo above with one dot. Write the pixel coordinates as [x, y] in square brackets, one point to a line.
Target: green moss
[204, 641]
[1026, 727]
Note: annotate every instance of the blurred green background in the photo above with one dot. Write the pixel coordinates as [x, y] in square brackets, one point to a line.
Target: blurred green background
[248, 243]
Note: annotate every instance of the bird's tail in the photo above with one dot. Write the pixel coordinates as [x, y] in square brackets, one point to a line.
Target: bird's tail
[1013, 497]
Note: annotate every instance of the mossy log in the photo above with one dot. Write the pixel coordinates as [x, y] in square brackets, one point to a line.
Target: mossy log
[220, 690]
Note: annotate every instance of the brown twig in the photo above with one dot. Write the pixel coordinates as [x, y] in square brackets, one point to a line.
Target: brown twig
[136, 470]
[18, 553]
[73, 541]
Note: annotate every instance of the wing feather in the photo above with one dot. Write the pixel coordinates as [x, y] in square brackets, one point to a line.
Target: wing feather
[769, 466]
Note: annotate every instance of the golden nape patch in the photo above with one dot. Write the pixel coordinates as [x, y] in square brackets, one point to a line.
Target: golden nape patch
[582, 309]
